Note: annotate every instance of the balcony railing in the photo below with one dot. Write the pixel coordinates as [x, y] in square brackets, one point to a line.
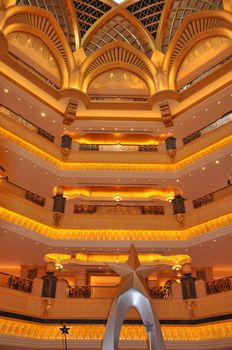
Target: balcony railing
[204, 74]
[211, 197]
[219, 122]
[34, 71]
[220, 285]
[24, 193]
[118, 148]
[24, 122]
[119, 209]
[15, 282]
[87, 291]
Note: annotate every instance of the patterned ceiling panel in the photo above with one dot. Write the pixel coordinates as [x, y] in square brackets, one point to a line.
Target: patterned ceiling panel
[148, 12]
[118, 28]
[181, 9]
[60, 13]
[88, 12]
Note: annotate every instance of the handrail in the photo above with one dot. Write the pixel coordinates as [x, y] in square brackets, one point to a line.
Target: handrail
[21, 120]
[16, 282]
[28, 195]
[204, 74]
[226, 118]
[208, 198]
[219, 285]
[33, 70]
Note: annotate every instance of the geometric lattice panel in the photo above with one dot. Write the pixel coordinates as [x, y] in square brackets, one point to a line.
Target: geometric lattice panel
[88, 12]
[148, 12]
[181, 9]
[60, 12]
[118, 28]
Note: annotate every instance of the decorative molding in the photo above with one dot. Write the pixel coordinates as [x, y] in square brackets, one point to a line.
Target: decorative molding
[25, 330]
[84, 166]
[41, 23]
[194, 28]
[58, 234]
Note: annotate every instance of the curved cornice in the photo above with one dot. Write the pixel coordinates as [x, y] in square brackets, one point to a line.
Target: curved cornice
[43, 24]
[121, 53]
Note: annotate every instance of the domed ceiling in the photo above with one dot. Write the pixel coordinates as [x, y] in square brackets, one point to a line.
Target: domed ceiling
[105, 21]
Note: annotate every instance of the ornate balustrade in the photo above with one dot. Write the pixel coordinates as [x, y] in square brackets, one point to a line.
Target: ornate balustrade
[24, 122]
[79, 292]
[219, 122]
[15, 282]
[204, 74]
[199, 202]
[211, 197]
[118, 209]
[22, 192]
[118, 148]
[34, 198]
[220, 285]
[160, 292]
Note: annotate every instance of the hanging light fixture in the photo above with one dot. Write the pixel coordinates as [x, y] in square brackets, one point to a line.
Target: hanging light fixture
[176, 266]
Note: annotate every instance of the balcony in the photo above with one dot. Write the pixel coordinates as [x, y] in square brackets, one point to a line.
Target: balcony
[27, 315]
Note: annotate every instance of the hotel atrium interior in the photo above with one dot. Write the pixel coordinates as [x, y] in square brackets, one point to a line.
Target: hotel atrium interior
[115, 130]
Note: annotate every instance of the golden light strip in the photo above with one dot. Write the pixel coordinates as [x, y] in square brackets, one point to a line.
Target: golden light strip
[23, 329]
[84, 166]
[109, 192]
[116, 138]
[115, 234]
[117, 258]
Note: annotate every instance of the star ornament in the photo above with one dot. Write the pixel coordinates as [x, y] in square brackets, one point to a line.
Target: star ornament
[149, 327]
[133, 274]
[64, 330]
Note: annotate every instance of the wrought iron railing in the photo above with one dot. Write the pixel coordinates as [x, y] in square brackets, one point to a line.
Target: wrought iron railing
[118, 98]
[79, 292]
[211, 197]
[204, 74]
[15, 282]
[33, 70]
[200, 202]
[35, 198]
[219, 122]
[24, 122]
[118, 148]
[22, 192]
[160, 292]
[118, 209]
[220, 285]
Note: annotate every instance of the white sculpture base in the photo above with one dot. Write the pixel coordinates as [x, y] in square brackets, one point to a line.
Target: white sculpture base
[118, 311]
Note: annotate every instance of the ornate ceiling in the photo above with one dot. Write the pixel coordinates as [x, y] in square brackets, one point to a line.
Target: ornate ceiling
[158, 20]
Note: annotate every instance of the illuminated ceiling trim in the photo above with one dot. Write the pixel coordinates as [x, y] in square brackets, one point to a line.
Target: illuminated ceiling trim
[81, 258]
[74, 166]
[115, 235]
[22, 329]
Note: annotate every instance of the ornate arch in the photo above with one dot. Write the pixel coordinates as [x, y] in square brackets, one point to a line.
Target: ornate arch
[136, 34]
[196, 27]
[42, 24]
[110, 56]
